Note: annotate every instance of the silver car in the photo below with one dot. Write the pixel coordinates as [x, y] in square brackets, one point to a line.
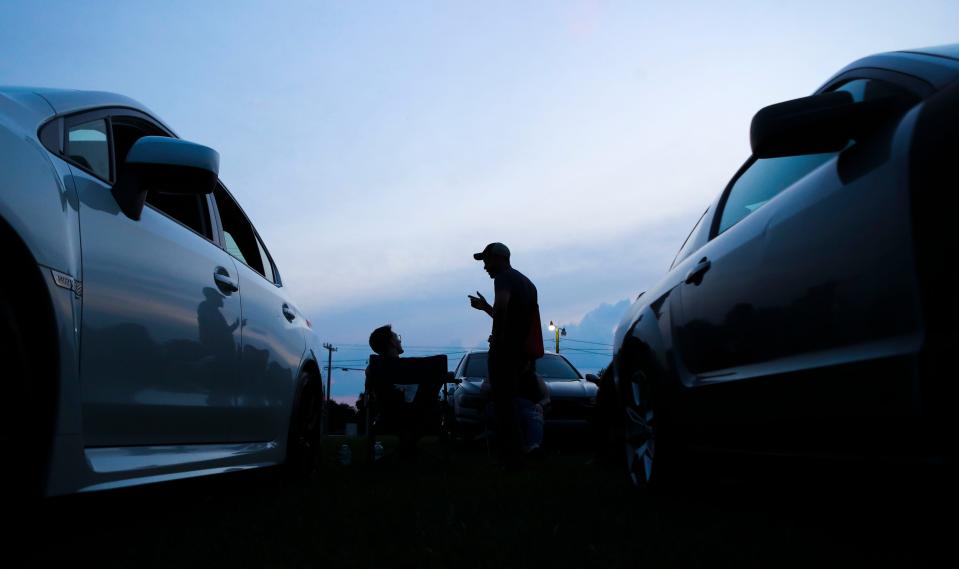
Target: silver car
[145, 332]
[572, 395]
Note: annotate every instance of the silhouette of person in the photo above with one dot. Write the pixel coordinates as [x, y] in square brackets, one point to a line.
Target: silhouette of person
[387, 343]
[397, 407]
[216, 338]
[515, 343]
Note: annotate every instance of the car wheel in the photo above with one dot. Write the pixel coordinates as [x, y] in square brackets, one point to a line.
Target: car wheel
[26, 426]
[12, 354]
[643, 436]
[305, 441]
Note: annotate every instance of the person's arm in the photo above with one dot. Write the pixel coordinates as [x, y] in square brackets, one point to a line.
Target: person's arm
[499, 312]
[479, 303]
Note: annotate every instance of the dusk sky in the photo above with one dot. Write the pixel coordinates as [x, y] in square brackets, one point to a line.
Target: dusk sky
[377, 145]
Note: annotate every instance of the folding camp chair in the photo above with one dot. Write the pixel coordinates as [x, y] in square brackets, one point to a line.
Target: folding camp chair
[391, 411]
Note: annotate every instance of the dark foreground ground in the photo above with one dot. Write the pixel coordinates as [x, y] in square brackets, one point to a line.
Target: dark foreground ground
[565, 511]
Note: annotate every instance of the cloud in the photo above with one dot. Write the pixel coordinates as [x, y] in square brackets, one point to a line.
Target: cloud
[588, 343]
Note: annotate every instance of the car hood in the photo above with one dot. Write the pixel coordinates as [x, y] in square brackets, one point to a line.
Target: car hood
[571, 389]
[471, 384]
[557, 389]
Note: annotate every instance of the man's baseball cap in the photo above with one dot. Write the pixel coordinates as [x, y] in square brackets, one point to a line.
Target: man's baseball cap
[492, 250]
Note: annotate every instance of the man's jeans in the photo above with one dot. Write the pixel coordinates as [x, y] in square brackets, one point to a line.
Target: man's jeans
[530, 417]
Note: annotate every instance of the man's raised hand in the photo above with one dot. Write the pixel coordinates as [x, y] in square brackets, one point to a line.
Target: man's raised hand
[479, 303]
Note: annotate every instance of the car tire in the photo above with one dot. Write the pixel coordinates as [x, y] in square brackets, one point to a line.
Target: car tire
[651, 452]
[26, 426]
[305, 439]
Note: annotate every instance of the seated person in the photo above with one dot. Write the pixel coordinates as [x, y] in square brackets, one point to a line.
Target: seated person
[403, 407]
[388, 344]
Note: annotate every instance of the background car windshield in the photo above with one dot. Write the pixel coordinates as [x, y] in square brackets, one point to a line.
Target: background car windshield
[551, 367]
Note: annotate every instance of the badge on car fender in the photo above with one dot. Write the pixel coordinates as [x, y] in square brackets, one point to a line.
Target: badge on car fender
[66, 281]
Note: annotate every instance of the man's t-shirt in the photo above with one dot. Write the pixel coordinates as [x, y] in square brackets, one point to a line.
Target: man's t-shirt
[514, 339]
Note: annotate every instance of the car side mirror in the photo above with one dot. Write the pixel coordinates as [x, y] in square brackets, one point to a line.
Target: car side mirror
[592, 378]
[169, 165]
[451, 378]
[810, 125]
[820, 123]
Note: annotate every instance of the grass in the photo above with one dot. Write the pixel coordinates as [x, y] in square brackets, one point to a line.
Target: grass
[564, 511]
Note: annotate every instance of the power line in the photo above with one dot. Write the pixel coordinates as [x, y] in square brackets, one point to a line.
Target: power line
[595, 353]
[587, 342]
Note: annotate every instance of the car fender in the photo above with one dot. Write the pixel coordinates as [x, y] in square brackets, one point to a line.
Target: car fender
[39, 215]
[644, 346]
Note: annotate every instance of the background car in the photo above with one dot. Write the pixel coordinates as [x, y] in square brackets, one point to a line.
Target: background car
[810, 311]
[145, 330]
[572, 395]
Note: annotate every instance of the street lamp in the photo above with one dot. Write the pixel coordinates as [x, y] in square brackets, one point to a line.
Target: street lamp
[553, 328]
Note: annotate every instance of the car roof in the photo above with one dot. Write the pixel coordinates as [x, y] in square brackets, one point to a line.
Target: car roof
[950, 51]
[66, 101]
[937, 66]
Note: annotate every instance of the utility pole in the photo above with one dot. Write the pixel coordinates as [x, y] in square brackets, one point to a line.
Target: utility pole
[558, 330]
[329, 376]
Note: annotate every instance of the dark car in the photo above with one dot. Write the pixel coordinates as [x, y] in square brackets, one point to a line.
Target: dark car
[811, 309]
[572, 395]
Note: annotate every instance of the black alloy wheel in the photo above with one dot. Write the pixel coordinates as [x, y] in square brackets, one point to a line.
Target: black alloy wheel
[305, 441]
[640, 432]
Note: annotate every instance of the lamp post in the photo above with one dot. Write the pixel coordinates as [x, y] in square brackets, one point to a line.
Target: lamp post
[559, 331]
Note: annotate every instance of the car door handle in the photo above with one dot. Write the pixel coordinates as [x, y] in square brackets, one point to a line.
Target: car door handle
[288, 312]
[224, 281]
[695, 275]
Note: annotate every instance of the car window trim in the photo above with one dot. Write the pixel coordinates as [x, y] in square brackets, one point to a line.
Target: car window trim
[124, 112]
[269, 258]
[175, 220]
[677, 260]
[256, 234]
[917, 85]
[70, 121]
[912, 83]
[93, 113]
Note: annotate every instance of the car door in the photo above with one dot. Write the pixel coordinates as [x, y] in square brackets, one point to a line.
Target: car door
[273, 331]
[809, 268]
[160, 323]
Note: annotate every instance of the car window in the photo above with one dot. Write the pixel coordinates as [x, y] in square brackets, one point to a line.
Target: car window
[238, 235]
[689, 245]
[476, 366]
[551, 367]
[555, 368]
[763, 181]
[265, 260]
[767, 177]
[191, 210]
[87, 145]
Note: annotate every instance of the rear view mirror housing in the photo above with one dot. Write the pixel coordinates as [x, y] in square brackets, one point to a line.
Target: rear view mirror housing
[810, 125]
[820, 123]
[170, 165]
[592, 378]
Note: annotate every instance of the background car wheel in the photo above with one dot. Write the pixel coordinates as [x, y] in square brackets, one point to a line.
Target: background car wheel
[305, 441]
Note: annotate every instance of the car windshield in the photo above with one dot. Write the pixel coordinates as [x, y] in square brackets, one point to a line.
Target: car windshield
[550, 366]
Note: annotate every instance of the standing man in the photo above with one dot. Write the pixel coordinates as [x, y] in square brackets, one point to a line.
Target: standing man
[516, 342]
